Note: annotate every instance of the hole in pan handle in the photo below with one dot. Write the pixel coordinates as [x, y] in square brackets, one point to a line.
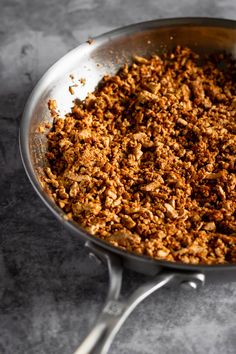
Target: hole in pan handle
[115, 310]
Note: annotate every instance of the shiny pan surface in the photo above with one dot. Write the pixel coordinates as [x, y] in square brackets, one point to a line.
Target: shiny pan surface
[90, 61]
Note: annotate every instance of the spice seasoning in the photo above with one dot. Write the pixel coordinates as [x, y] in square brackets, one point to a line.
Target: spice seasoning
[147, 161]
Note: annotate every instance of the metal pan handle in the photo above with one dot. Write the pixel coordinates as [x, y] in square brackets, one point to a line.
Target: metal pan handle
[116, 311]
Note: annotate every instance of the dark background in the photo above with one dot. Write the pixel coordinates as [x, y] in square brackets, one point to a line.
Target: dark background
[50, 292]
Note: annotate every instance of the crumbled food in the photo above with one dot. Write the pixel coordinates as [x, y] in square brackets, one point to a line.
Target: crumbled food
[40, 129]
[90, 41]
[147, 161]
[82, 80]
[52, 105]
[71, 90]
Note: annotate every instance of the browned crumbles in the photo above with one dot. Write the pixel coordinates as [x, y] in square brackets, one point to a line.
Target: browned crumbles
[147, 161]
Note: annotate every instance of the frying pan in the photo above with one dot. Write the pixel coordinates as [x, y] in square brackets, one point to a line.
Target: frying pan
[90, 61]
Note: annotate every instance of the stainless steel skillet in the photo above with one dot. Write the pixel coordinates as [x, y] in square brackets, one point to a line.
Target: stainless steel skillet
[90, 61]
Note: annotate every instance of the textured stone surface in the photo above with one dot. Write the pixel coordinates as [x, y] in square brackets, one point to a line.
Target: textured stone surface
[51, 292]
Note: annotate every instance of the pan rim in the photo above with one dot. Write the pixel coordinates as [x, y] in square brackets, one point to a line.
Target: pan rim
[71, 226]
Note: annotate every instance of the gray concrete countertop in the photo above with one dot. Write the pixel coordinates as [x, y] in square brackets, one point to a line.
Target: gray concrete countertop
[51, 291]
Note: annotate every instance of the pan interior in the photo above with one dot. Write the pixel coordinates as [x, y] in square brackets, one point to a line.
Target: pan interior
[91, 61]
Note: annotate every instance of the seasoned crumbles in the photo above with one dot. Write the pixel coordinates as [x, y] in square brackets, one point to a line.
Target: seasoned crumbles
[147, 161]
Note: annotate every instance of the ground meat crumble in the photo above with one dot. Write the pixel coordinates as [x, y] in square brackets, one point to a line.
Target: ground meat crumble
[147, 161]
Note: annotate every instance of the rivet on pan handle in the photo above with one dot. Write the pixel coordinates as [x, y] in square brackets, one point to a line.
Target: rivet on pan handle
[116, 311]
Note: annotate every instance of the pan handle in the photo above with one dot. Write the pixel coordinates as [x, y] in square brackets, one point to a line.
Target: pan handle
[116, 311]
